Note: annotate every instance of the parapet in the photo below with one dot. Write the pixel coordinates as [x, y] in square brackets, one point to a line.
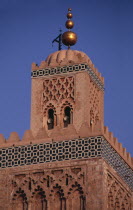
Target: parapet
[100, 129]
[60, 134]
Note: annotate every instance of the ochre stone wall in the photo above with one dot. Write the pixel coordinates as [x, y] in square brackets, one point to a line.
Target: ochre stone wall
[67, 185]
[84, 184]
[119, 195]
[76, 91]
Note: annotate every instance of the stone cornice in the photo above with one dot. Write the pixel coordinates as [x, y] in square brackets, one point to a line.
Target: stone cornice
[95, 76]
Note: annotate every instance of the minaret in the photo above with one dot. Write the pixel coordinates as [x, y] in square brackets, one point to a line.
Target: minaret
[66, 89]
[68, 160]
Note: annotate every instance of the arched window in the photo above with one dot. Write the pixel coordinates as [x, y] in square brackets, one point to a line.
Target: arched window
[67, 116]
[50, 121]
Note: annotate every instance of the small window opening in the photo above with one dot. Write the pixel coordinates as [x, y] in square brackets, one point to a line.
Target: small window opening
[67, 181]
[50, 119]
[67, 116]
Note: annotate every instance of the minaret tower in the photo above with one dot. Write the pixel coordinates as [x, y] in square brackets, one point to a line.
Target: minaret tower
[67, 89]
[68, 160]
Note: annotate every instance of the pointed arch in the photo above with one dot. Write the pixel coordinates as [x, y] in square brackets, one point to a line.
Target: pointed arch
[57, 198]
[19, 200]
[39, 199]
[50, 116]
[66, 113]
[76, 198]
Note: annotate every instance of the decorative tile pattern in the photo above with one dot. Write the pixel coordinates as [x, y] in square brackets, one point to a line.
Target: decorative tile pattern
[66, 150]
[49, 152]
[67, 69]
[115, 160]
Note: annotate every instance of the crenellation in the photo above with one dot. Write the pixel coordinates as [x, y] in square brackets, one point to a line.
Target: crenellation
[111, 136]
[13, 138]
[99, 75]
[129, 158]
[96, 71]
[106, 130]
[28, 136]
[120, 148]
[115, 140]
[43, 64]
[124, 152]
[117, 146]
[34, 66]
[90, 63]
[59, 134]
[2, 139]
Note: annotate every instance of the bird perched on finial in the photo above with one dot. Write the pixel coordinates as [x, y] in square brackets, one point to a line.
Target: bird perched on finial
[69, 38]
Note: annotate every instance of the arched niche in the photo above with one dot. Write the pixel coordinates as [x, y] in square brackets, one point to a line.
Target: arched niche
[76, 199]
[68, 116]
[57, 198]
[39, 199]
[50, 120]
[50, 117]
[19, 201]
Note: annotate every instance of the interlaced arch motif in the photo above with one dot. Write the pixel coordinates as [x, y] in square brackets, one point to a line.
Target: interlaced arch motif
[19, 199]
[58, 88]
[54, 186]
[118, 197]
[94, 103]
[39, 197]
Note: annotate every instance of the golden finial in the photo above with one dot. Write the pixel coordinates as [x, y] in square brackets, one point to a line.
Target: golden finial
[69, 38]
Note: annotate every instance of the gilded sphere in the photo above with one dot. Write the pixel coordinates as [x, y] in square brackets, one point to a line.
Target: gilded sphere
[69, 24]
[69, 15]
[69, 38]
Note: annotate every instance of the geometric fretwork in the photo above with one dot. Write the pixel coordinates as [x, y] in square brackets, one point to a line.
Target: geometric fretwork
[58, 88]
[50, 152]
[68, 69]
[41, 189]
[82, 148]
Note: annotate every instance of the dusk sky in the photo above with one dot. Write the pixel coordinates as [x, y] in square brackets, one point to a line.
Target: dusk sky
[105, 34]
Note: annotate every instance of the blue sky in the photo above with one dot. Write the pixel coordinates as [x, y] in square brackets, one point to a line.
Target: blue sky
[105, 34]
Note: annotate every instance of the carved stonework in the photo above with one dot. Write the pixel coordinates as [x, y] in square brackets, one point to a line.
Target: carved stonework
[59, 187]
[94, 103]
[118, 196]
[57, 89]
